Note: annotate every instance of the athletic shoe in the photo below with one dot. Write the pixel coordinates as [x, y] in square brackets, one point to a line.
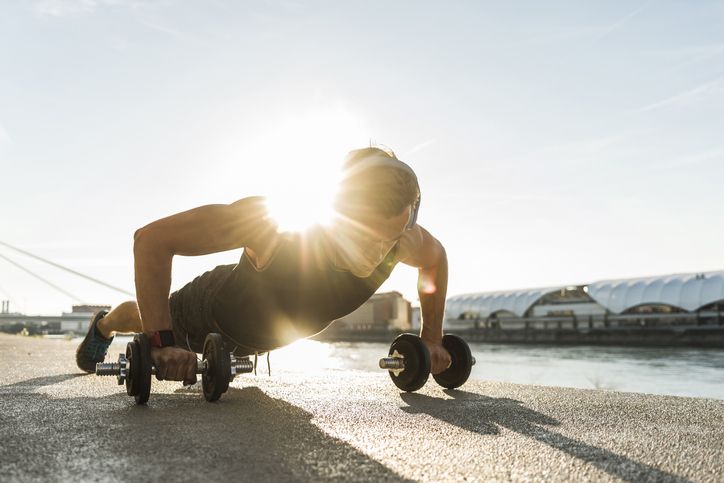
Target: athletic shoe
[94, 347]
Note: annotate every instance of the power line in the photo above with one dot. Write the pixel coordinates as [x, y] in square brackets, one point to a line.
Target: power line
[74, 297]
[87, 277]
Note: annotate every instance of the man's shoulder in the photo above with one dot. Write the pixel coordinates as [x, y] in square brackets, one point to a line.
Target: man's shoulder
[410, 244]
[418, 248]
[256, 203]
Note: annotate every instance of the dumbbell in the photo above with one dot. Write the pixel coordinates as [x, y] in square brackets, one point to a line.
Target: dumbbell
[135, 368]
[408, 362]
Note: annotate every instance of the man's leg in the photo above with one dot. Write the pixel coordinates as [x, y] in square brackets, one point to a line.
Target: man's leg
[103, 326]
[124, 318]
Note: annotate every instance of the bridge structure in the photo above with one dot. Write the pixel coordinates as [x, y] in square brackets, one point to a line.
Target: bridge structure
[75, 321]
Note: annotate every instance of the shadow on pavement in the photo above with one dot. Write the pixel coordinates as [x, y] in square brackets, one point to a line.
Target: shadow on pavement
[247, 435]
[42, 381]
[484, 415]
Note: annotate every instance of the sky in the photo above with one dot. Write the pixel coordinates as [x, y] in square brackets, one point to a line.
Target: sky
[554, 142]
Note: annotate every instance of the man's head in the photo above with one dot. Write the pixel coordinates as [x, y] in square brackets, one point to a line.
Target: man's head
[377, 201]
[376, 183]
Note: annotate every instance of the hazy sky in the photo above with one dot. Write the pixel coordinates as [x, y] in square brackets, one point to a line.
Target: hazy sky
[555, 142]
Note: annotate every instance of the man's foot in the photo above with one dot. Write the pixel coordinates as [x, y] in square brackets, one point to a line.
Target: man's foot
[94, 347]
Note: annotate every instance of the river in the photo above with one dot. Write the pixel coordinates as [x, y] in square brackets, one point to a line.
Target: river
[653, 370]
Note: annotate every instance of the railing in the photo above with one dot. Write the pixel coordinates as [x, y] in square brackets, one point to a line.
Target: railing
[583, 322]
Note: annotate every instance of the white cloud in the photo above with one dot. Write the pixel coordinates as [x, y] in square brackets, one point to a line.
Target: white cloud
[154, 25]
[581, 151]
[689, 54]
[596, 32]
[582, 148]
[624, 20]
[420, 147]
[686, 97]
[691, 159]
[143, 11]
[75, 8]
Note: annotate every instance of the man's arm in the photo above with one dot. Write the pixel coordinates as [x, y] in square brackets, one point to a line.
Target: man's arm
[199, 231]
[420, 249]
[432, 289]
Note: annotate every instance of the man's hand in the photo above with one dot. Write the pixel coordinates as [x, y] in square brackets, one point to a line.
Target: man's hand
[439, 356]
[174, 364]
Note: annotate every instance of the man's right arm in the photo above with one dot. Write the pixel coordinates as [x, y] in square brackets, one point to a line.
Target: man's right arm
[199, 231]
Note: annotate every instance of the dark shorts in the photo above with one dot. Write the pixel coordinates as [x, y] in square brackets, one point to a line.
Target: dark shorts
[191, 312]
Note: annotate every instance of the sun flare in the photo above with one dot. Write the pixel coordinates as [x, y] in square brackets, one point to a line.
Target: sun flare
[298, 164]
[296, 211]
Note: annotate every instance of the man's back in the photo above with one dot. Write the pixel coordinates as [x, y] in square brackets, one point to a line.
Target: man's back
[298, 292]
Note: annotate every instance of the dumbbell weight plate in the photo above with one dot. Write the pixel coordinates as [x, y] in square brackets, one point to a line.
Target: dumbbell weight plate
[132, 355]
[462, 363]
[143, 365]
[417, 362]
[215, 380]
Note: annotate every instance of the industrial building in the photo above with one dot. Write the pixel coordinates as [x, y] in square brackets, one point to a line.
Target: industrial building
[74, 322]
[383, 311]
[690, 299]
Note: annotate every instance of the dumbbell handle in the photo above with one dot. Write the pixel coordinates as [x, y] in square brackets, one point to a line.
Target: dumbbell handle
[238, 366]
[398, 363]
[392, 363]
[114, 368]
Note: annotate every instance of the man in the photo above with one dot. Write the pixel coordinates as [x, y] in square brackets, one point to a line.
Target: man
[286, 286]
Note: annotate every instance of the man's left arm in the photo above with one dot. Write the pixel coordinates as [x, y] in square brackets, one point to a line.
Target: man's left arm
[420, 249]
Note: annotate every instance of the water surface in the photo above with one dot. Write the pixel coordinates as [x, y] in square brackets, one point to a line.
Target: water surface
[653, 370]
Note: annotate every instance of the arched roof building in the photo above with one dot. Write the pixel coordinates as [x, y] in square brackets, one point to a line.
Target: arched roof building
[486, 304]
[688, 292]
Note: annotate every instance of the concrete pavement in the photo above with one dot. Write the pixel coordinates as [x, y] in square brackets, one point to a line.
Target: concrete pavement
[58, 424]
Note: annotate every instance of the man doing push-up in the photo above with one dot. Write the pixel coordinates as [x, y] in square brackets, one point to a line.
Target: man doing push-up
[286, 285]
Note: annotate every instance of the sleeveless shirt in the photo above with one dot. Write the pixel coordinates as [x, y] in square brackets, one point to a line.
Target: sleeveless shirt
[297, 294]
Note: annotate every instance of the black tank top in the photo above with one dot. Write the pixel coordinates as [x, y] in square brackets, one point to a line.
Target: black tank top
[297, 294]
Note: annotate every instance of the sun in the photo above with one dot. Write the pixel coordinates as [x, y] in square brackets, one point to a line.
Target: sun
[298, 164]
[297, 209]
